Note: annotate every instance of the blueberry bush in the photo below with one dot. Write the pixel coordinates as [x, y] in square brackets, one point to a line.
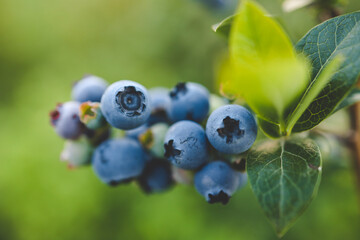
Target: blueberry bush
[262, 130]
[291, 89]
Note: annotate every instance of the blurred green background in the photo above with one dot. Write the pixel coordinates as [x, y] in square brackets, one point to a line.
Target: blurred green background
[46, 45]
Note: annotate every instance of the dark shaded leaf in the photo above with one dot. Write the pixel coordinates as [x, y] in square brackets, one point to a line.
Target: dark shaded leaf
[284, 175]
[353, 97]
[339, 36]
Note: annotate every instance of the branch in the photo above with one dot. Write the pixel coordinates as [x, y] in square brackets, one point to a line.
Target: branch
[355, 140]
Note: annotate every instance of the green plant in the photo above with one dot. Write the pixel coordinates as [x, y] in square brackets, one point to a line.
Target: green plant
[291, 89]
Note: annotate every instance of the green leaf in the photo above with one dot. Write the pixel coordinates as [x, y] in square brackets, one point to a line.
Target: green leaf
[312, 91]
[337, 36]
[270, 129]
[266, 71]
[284, 176]
[224, 26]
[351, 98]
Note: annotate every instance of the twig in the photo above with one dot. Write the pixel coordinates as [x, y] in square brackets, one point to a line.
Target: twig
[355, 140]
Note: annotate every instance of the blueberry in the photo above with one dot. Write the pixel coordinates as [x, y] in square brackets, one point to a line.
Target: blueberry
[189, 101]
[90, 88]
[160, 104]
[77, 153]
[156, 177]
[91, 115]
[118, 160]
[231, 129]
[65, 120]
[125, 104]
[186, 145]
[217, 182]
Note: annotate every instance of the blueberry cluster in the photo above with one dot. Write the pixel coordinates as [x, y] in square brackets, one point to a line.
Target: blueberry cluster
[158, 137]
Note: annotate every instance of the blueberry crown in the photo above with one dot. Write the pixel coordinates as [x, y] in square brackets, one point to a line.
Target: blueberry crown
[170, 150]
[179, 88]
[230, 130]
[130, 101]
[220, 197]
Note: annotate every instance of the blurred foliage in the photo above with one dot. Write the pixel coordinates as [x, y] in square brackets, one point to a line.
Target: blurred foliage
[46, 45]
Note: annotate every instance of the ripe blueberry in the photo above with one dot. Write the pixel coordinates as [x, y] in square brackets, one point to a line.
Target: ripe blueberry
[118, 160]
[217, 182]
[189, 101]
[156, 177]
[65, 120]
[160, 104]
[125, 104]
[186, 145]
[231, 129]
[90, 88]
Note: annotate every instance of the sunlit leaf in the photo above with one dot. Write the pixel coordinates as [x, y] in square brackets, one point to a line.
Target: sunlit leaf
[224, 26]
[264, 65]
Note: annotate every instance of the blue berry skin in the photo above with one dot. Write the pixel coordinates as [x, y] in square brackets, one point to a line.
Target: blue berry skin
[65, 119]
[125, 105]
[157, 177]
[217, 182]
[189, 101]
[186, 145]
[118, 160]
[231, 129]
[160, 104]
[90, 88]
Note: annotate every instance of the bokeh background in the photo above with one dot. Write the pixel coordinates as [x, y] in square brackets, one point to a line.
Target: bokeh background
[46, 45]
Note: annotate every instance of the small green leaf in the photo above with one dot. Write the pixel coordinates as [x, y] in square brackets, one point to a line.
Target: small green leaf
[337, 36]
[353, 97]
[284, 175]
[270, 129]
[266, 71]
[224, 26]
